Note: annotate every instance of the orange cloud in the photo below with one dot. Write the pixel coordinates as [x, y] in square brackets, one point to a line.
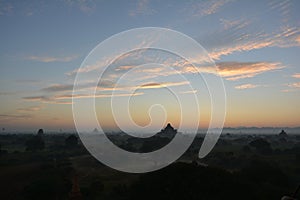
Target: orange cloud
[245, 86]
[162, 85]
[298, 39]
[188, 92]
[296, 75]
[229, 70]
[79, 96]
[251, 45]
[145, 86]
[47, 59]
[46, 99]
[124, 67]
[237, 70]
[285, 37]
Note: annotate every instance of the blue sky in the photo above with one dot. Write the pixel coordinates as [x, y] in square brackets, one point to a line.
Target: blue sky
[255, 45]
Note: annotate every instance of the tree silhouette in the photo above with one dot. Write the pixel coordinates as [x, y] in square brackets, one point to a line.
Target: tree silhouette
[261, 145]
[71, 141]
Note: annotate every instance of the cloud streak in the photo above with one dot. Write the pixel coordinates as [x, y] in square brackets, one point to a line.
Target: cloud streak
[14, 117]
[231, 71]
[239, 35]
[58, 88]
[142, 8]
[162, 85]
[294, 85]
[48, 59]
[86, 6]
[188, 92]
[80, 96]
[297, 75]
[205, 8]
[61, 99]
[236, 24]
[239, 70]
[30, 109]
[36, 98]
[246, 86]
[46, 99]
[285, 37]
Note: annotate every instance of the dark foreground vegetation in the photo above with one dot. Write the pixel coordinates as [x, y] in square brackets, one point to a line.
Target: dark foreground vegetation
[57, 166]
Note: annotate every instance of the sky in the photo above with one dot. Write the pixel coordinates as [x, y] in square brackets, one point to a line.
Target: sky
[255, 46]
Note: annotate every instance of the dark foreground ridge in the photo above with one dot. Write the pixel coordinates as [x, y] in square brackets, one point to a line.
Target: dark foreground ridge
[47, 166]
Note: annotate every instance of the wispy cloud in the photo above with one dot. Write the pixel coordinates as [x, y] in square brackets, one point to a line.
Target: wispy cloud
[105, 89]
[80, 96]
[283, 7]
[188, 92]
[239, 70]
[7, 93]
[91, 68]
[48, 59]
[246, 34]
[229, 70]
[142, 7]
[58, 88]
[136, 86]
[246, 86]
[204, 8]
[298, 39]
[6, 8]
[61, 99]
[236, 24]
[162, 85]
[285, 37]
[36, 98]
[46, 99]
[14, 117]
[297, 75]
[86, 6]
[30, 109]
[294, 85]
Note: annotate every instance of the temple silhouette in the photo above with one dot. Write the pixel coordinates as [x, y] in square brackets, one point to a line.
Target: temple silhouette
[283, 134]
[168, 131]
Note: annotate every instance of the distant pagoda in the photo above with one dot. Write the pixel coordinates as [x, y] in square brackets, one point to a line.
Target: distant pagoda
[40, 133]
[169, 131]
[283, 134]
